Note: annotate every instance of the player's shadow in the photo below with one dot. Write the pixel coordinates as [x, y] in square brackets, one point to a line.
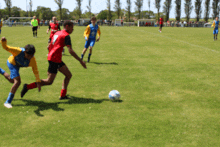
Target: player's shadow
[55, 106]
[101, 63]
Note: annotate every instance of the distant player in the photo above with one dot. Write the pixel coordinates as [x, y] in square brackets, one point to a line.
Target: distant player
[161, 24]
[54, 26]
[1, 20]
[215, 25]
[59, 40]
[90, 36]
[21, 57]
[34, 24]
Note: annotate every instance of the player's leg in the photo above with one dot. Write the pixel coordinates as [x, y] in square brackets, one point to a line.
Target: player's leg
[214, 34]
[85, 49]
[52, 72]
[33, 31]
[92, 43]
[6, 75]
[65, 71]
[90, 53]
[17, 82]
[36, 31]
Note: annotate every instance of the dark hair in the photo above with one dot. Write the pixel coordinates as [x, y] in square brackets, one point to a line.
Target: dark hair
[29, 49]
[67, 22]
[93, 18]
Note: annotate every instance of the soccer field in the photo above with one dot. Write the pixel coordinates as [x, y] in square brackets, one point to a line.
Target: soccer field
[169, 86]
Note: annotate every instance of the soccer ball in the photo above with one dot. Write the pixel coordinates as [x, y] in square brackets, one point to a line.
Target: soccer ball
[114, 95]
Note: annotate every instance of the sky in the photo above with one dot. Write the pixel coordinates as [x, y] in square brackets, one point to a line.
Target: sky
[98, 5]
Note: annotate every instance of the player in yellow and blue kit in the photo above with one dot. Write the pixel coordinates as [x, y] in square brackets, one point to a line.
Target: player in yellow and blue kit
[90, 36]
[215, 25]
[21, 57]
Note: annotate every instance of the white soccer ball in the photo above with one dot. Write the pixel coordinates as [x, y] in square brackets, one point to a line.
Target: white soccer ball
[114, 95]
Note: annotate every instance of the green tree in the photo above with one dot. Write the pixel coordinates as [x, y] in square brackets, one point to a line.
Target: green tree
[139, 5]
[89, 7]
[79, 7]
[65, 14]
[15, 11]
[30, 5]
[129, 9]
[8, 4]
[198, 9]
[118, 7]
[207, 9]
[3, 13]
[102, 15]
[178, 9]
[188, 9]
[44, 13]
[215, 8]
[157, 5]
[109, 9]
[166, 8]
[59, 3]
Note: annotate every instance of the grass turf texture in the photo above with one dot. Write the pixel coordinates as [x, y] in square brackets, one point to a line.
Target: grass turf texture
[169, 86]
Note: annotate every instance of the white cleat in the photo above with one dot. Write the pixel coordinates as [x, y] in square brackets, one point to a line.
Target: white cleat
[7, 105]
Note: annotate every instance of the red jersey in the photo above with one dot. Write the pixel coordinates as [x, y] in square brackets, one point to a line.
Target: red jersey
[38, 21]
[53, 26]
[161, 20]
[59, 40]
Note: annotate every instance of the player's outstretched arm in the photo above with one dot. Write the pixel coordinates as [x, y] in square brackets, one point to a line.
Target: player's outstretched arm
[13, 50]
[76, 56]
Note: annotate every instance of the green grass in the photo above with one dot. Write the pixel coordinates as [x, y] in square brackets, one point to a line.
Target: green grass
[169, 86]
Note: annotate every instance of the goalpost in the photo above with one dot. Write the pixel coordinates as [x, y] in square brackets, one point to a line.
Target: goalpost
[119, 22]
[128, 24]
[13, 21]
[146, 22]
[84, 22]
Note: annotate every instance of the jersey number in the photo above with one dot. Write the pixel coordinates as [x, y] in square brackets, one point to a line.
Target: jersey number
[54, 39]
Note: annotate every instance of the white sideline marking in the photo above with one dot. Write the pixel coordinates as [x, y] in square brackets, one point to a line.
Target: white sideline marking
[156, 34]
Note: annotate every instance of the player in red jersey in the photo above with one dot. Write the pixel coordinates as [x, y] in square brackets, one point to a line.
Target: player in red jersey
[59, 40]
[54, 26]
[161, 24]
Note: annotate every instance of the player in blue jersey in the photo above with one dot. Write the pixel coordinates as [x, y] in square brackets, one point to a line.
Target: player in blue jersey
[21, 57]
[215, 25]
[90, 36]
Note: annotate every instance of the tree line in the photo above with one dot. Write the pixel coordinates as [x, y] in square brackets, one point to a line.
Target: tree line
[63, 13]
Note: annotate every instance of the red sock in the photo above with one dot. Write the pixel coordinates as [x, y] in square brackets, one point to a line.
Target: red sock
[63, 93]
[32, 86]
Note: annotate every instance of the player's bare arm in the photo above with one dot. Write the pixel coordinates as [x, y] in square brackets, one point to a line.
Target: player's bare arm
[76, 56]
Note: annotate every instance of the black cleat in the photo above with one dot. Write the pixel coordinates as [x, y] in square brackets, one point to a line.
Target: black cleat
[24, 90]
[64, 98]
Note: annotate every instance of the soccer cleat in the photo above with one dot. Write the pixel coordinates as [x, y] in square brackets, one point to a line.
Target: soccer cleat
[24, 90]
[7, 105]
[64, 98]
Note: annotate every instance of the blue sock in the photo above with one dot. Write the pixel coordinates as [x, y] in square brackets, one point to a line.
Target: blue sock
[89, 57]
[0, 31]
[82, 56]
[10, 98]
[2, 71]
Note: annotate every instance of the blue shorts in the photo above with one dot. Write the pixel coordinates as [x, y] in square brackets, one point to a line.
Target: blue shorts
[215, 31]
[90, 42]
[14, 70]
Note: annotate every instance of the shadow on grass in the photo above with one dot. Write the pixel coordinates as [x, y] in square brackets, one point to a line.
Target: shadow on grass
[100, 63]
[55, 106]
